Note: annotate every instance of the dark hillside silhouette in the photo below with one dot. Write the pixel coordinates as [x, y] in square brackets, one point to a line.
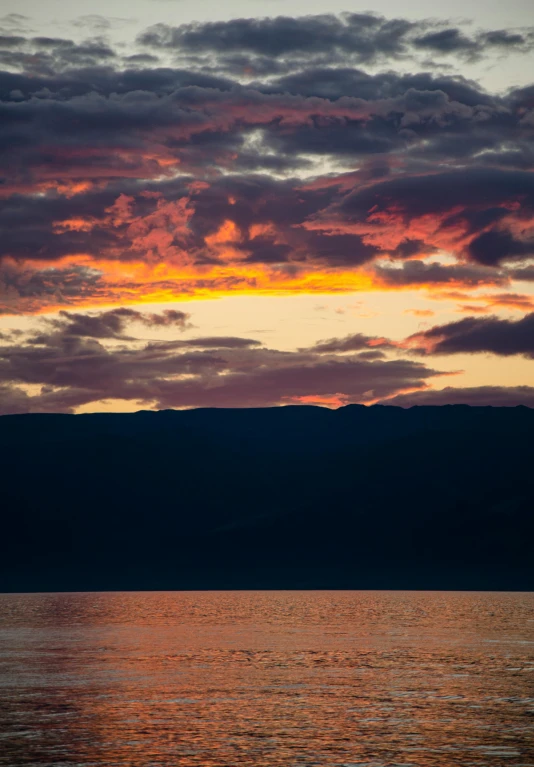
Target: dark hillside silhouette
[293, 497]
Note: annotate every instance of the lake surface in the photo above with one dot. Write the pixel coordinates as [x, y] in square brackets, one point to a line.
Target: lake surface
[267, 679]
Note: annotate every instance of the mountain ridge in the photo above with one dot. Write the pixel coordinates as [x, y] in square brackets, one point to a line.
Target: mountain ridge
[290, 497]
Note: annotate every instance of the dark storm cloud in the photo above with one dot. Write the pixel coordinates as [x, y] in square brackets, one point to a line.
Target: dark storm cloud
[339, 249]
[43, 243]
[46, 56]
[453, 40]
[352, 343]
[450, 40]
[62, 283]
[45, 227]
[110, 324]
[479, 334]
[370, 355]
[221, 342]
[481, 396]
[526, 274]
[503, 38]
[421, 273]
[106, 81]
[83, 370]
[495, 246]
[167, 318]
[11, 41]
[138, 110]
[355, 378]
[268, 46]
[461, 203]
[335, 82]
[132, 134]
[440, 193]
[342, 138]
[141, 58]
[362, 35]
[359, 37]
[76, 358]
[13, 400]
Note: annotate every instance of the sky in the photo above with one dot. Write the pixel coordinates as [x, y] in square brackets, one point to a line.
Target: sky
[253, 204]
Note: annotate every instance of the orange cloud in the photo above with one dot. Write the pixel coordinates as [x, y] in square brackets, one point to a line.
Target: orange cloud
[516, 301]
[74, 225]
[161, 281]
[323, 400]
[420, 312]
[227, 232]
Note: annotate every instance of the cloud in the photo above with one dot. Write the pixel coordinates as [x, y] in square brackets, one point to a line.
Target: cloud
[221, 342]
[525, 274]
[77, 357]
[357, 37]
[230, 166]
[14, 22]
[420, 273]
[362, 36]
[518, 301]
[444, 210]
[450, 40]
[352, 343]
[110, 324]
[420, 312]
[98, 23]
[495, 246]
[481, 396]
[478, 334]
[46, 55]
[257, 156]
[28, 288]
[167, 318]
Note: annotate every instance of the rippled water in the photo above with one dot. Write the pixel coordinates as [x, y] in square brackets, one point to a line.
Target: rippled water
[267, 678]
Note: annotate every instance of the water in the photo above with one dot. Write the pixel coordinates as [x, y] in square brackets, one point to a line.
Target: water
[267, 679]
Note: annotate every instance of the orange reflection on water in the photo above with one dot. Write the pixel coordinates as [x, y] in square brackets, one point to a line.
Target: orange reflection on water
[267, 678]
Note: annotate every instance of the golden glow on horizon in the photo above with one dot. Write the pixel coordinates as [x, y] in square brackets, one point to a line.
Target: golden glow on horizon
[289, 322]
[139, 282]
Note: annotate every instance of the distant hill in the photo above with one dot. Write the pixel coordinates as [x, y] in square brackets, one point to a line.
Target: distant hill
[292, 497]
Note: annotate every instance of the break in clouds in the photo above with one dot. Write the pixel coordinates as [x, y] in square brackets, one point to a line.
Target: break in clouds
[318, 154]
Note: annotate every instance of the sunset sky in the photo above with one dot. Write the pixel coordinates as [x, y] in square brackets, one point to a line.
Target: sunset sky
[251, 203]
